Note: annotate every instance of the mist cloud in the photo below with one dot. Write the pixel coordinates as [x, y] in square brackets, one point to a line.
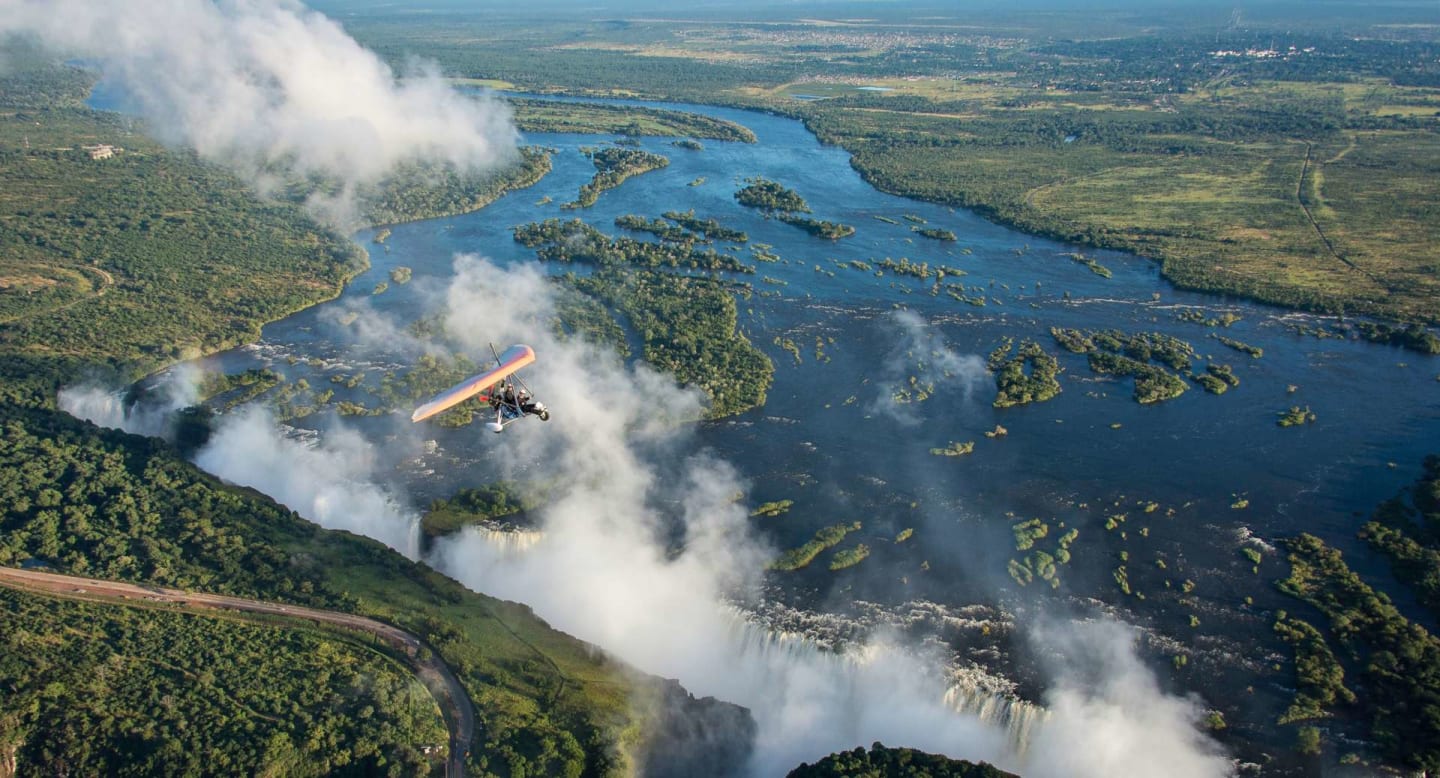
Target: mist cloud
[920, 352]
[174, 390]
[334, 483]
[264, 83]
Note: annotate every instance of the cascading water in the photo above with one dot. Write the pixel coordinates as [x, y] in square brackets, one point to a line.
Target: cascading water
[1017, 717]
[507, 539]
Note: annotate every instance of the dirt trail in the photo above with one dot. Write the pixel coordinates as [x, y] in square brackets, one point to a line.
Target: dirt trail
[428, 667]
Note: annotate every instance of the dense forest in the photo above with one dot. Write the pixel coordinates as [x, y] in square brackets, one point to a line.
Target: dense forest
[95, 689]
[101, 503]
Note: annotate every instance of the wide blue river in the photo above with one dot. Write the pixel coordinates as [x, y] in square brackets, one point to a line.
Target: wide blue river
[1199, 478]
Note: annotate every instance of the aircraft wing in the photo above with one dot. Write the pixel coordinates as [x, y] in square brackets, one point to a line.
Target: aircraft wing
[513, 359]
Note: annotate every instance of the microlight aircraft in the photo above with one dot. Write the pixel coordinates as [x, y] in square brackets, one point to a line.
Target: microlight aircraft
[496, 387]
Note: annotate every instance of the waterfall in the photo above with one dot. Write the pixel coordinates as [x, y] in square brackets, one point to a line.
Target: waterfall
[508, 539]
[1017, 717]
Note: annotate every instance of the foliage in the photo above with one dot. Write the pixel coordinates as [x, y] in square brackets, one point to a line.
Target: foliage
[773, 509]
[710, 228]
[849, 557]
[770, 196]
[658, 227]
[1032, 375]
[1029, 531]
[1407, 530]
[827, 537]
[107, 690]
[1319, 676]
[612, 166]
[1296, 416]
[820, 229]
[576, 241]
[1242, 347]
[954, 449]
[596, 118]
[1152, 383]
[415, 191]
[883, 762]
[580, 315]
[689, 328]
[936, 233]
[473, 506]
[1399, 688]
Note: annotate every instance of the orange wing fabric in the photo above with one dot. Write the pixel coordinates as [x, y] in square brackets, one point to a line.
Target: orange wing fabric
[513, 359]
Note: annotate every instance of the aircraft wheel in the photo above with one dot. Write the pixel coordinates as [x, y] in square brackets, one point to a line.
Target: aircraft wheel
[544, 416]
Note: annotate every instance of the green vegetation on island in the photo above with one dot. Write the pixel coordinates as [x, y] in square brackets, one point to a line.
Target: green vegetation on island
[954, 449]
[613, 165]
[1242, 347]
[658, 227]
[475, 506]
[1112, 352]
[1095, 267]
[826, 538]
[936, 233]
[1152, 384]
[575, 241]
[921, 270]
[1295, 416]
[770, 196]
[820, 229]
[533, 115]
[1030, 376]
[689, 328]
[1398, 685]
[710, 228]
[414, 191]
[1197, 316]
[773, 509]
[1319, 676]
[1407, 530]
[1039, 563]
[849, 557]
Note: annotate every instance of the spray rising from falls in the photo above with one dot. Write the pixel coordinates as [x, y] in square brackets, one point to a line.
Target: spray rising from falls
[173, 390]
[330, 480]
[269, 86]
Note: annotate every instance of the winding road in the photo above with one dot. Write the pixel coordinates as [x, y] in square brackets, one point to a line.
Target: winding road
[449, 694]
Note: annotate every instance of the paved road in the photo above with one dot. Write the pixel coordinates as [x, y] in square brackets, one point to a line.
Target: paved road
[432, 671]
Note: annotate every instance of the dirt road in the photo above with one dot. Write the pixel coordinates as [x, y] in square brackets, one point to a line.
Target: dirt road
[428, 667]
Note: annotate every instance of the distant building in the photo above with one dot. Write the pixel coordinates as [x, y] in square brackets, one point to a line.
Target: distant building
[102, 150]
